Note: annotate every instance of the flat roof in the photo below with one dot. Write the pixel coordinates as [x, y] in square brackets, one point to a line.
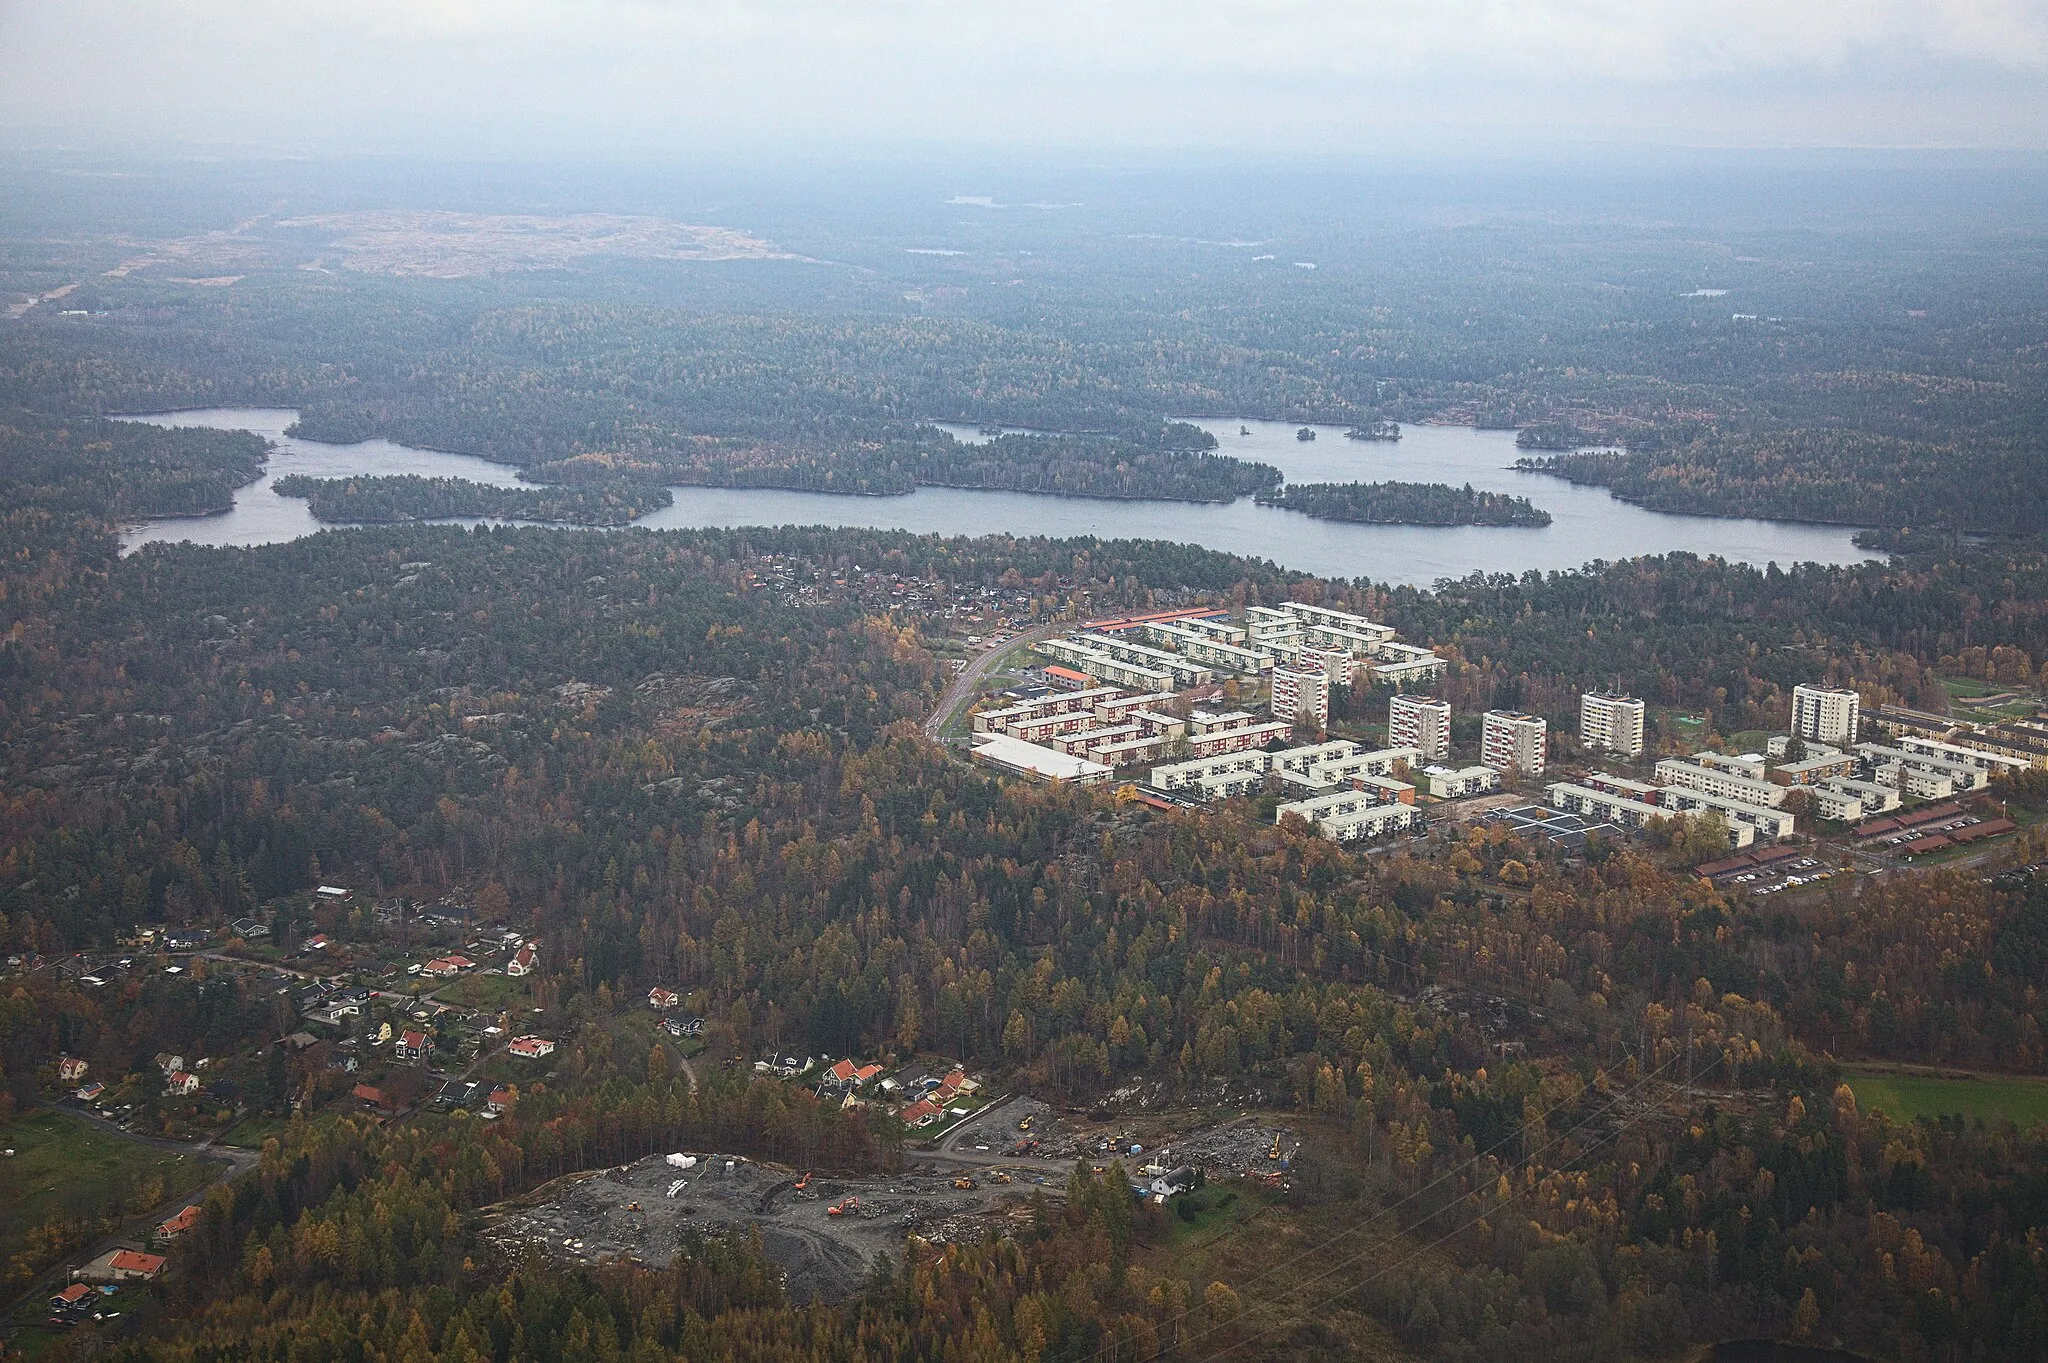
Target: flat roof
[1021, 756]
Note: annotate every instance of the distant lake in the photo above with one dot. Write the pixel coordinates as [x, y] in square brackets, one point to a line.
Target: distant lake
[1587, 523]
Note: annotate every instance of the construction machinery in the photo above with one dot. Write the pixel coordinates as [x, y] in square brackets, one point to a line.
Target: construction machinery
[804, 1182]
[964, 1183]
[1024, 1124]
[850, 1207]
[999, 1176]
[1274, 1153]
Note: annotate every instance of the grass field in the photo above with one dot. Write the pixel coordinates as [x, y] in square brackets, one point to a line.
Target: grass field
[490, 993]
[1907, 1096]
[72, 1169]
[251, 1132]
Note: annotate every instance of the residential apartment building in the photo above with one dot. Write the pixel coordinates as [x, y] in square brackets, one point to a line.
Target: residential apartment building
[1422, 723]
[1824, 714]
[1611, 723]
[1512, 741]
[1302, 695]
[1673, 771]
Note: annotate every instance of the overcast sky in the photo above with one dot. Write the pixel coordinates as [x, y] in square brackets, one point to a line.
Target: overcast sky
[635, 77]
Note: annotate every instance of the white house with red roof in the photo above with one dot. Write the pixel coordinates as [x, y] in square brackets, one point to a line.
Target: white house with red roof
[183, 1084]
[71, 1069]
[523, 961]
[661, 1000]
[531, 1047]
[412, 1045]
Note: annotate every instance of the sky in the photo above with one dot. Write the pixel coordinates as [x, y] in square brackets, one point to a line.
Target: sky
[538, 78]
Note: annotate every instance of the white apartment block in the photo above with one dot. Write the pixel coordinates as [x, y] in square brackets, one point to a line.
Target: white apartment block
[1411, 671]
[1301, 760]
[1622, 785]
[1511, 740]
[1422, 723]
[1853, 801]
[1627, 811]
[1823, 714]
[1188, 775]
[1914, 783]
[1351, 815]
[1673, 771]
[1742, 764]
[1446, 783]
[1821, 766]
[1611, 723]
[1960, 775]
[1336, 619]
[1302, 695]
[1773, 824]
[1219, 741]
[1970, 757]
[1107, 667]
[1058, 703]
[1380, 762]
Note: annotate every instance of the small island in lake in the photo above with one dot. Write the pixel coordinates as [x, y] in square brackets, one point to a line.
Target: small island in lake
[1305, 433]
[409, 497]
[1382, 429]
[1406, 504]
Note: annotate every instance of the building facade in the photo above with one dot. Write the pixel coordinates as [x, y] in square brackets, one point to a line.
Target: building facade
[1825, 714]
[1511, 740]
[1302, 695]
[1422, 723]
[1611, 723]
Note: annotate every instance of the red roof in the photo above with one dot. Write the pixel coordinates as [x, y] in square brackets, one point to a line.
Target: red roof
[182, 1222]
[921, 1110]
[132, 1261]
[416, 1040]
[74, 1293]
[844, 1071]
[501, 1098]
[369, 1094]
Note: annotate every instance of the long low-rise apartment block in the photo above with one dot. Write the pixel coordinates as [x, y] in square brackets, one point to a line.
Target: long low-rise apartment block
[1351, 816]
[1960, 775]
[1106, 666]
[1956, 752]
[1219, 741]
[1673, 771]
[1769, 823]
[1847, 801]
[1448, 783]
[1187, 775]
[1630, 812]
[1055, 703]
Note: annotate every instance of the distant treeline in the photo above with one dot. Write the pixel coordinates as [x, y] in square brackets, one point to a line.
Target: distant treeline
[1406, 504]
[409, 497]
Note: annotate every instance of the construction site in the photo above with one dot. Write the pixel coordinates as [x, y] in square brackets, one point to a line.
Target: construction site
[824, 1233]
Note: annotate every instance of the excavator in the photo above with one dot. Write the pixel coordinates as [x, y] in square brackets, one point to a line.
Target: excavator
[803, 1182]
[849, 1207]
[1274, 1153]
[964, 1183]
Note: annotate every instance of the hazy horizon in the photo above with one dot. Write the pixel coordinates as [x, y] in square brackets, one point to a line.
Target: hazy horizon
[643, 78]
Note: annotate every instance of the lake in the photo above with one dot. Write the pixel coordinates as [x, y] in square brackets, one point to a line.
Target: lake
[1587, 523]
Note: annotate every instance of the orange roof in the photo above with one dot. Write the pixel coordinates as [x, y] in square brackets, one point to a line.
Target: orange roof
[183, 1221]
[75, 1292]
[844, 1070]
[131, 1261]
[867, 1072]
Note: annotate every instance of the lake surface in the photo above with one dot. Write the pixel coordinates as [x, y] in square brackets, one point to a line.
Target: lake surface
[1587, 523]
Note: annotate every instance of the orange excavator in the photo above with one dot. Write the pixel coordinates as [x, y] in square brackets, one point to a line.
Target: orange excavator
[846, 1208]
[804, 1182]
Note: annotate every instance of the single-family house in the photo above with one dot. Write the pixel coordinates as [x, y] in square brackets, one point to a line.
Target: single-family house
[923, 1112]
[120, 1266]
[412, 1045]
[661, 1000]
[71, 1069]
[179, 1224]
[182, 1084]
[317, 942]
[370, 1096]
[1174, 1182]
[71, 1302]
[441, 968]
[499, 1101]
[91, 1091]
[169, 1063]
[532, 1047]
[523, 961]
[249, 928]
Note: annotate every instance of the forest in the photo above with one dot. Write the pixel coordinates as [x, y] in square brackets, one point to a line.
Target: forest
[1406, 504]
[409, 497]
[193, 732]
[1558, 1106]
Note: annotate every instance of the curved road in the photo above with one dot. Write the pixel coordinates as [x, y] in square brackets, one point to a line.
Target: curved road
[967, 683]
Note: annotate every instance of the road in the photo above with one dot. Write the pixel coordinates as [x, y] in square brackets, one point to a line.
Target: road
[967, 684]
[238, 1162]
